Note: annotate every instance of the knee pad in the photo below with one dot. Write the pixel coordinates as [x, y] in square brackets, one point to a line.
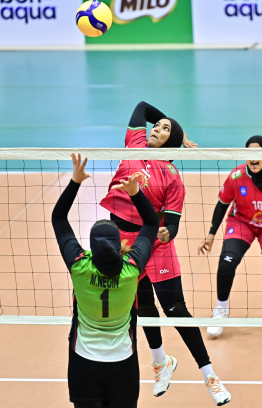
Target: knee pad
[177, 310]
[147, 309]
[228, 263]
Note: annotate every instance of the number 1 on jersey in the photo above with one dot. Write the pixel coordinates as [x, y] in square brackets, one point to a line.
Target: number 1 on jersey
[105, 303]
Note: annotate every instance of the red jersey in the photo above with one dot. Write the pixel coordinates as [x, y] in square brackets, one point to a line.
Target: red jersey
[158, 179]
[246, 197]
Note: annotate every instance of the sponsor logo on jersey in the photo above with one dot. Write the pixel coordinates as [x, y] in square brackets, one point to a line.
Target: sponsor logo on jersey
[164, 271]
[243, 191]
[142, 180]
[236, 174]
[172, 169]
[257, 220]
[231, 230]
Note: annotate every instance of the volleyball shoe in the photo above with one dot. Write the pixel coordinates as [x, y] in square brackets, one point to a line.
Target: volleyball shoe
[218, 313]
[218, 391]
[163, 373]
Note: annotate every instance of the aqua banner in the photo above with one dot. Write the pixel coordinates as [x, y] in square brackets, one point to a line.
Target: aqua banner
[148, 21]
[227, 21]
[39, 22]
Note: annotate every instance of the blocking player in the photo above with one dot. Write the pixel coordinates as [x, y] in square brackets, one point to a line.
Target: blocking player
[103, 365]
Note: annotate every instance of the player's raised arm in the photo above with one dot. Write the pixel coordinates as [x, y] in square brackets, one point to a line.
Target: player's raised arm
[144, 112]
[68, 244]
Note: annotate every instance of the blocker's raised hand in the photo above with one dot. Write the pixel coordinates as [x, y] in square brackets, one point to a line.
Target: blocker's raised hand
[79, 173]
[130, 185]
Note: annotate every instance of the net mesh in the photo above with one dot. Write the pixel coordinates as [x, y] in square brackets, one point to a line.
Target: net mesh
[35, 284]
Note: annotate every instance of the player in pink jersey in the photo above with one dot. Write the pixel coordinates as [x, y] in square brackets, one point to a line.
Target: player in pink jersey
[243, 187]
[161, 184]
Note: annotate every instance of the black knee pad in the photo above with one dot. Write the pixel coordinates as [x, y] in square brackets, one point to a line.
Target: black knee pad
[147, 311]
[177, 310]
[228, 263]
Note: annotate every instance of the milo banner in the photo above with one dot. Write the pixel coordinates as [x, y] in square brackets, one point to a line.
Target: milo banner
[148, 21]
[227, 21]
[39, 22]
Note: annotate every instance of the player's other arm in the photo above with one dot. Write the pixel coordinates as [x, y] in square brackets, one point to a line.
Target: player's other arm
[225, 197]
[174, 199]
[218, 215]
[68, 244]
[170, 228]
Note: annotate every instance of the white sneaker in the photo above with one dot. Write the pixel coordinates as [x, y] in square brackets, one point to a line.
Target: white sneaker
[220, 394]
[163, 373]
[218, 313]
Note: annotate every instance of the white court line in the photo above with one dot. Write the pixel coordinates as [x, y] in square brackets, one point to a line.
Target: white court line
[141, 381]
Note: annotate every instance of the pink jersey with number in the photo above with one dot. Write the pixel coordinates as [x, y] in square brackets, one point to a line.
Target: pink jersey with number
[246, 197]
[158, 179]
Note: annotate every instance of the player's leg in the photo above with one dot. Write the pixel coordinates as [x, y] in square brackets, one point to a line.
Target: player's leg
[164, 365]
[122, 385]
[171, 298]
[86, 388]
[232, 253]
[163, 264]
[147, 308]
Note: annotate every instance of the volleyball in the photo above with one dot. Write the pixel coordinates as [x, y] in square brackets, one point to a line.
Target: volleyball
[93, 18]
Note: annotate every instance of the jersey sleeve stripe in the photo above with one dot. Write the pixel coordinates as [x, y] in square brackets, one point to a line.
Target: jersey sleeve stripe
[136, 128]
[247, 173]
[173, 212]
[222, 202]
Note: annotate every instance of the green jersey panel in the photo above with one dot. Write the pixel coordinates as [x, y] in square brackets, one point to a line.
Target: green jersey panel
[104, 309]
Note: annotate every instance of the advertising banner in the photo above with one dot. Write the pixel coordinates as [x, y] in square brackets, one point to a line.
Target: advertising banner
[148, 21]
[227, 21]
[39, 22]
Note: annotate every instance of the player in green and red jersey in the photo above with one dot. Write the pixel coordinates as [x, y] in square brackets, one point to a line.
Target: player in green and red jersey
[103, 366]
[162, 185]
[243, 187]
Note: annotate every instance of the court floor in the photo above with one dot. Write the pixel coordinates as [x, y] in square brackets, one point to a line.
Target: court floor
[34, 365]
[85, 99]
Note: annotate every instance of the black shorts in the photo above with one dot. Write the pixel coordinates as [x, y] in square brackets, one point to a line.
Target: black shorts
[95, 383]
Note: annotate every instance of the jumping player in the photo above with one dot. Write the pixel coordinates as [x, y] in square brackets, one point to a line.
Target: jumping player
[243, 187]
[161, 183]
[103, 366]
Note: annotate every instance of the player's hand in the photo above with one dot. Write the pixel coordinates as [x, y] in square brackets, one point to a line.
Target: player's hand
[188, 143]
[206, 244]
[130, 185]
[79, 173]
[163, 235]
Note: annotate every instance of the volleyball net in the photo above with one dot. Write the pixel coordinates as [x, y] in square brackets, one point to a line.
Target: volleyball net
[35, 286]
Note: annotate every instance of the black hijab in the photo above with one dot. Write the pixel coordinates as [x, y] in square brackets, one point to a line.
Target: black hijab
[176, 135]
[105, 245]
[256, 177]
